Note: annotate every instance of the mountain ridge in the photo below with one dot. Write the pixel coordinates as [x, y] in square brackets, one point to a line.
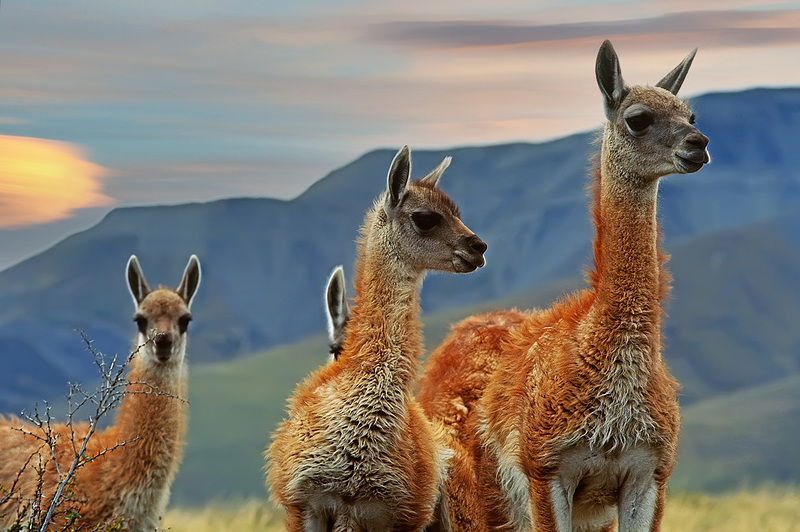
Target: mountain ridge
[262, 257]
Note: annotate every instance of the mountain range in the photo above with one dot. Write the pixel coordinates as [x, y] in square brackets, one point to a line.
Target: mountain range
[733, 230]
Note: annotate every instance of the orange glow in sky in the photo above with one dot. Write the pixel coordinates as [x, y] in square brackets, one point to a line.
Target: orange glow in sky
[44, 181]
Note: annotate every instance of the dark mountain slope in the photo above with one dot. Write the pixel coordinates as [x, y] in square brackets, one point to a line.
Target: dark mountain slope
[265, 262]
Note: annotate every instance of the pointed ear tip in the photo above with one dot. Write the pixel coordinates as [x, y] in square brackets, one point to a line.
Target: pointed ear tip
[607, 62]
[403, 156]
[132, 265]
[606, 48]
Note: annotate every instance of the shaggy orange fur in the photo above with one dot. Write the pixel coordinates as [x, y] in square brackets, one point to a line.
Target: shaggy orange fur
[129, 484]
[449, 390]
[576, 425]
[357, 452]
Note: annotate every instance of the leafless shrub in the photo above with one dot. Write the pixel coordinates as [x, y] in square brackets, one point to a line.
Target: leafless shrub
[85, 412]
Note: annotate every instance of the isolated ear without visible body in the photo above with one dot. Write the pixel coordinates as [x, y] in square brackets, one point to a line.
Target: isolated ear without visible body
[338, 310]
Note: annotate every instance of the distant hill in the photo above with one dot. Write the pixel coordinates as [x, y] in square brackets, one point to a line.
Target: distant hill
[733, 230]
[741, 439]
[739, 428]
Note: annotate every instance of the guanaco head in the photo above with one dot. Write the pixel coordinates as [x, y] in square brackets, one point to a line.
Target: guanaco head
[338, 311]
[422, 226]
[163, 315]
[650, 131]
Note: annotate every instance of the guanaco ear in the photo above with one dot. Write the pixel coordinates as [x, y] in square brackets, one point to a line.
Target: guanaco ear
[436, 174]
[673, 81]
[137, 285]
[609, 78]
[190, 280]
[336, 304]
[397, 180]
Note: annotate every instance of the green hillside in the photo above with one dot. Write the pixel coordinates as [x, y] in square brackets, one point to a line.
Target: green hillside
[741, 439]
[747, 436]
[235, 406]
[727, 440]
[233, 409]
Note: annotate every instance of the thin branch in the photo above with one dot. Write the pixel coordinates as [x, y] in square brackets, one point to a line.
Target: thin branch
[105, 399]
[112, 389]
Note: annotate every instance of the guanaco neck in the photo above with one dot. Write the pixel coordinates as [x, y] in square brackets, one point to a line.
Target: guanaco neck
[384, 329]
[152, 421]
[620, 336]
[628, 277]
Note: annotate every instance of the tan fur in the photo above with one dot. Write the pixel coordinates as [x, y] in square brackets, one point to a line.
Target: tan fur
[129, 484]
[356, 451]
[577, 424]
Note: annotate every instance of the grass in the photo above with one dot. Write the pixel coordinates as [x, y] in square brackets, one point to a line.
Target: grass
[253, 516]
[771, 509]
[768, 509]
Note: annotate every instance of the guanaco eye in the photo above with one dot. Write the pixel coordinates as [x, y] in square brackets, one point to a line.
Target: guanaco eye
[638, 118]
[141, 323]
[692, 119]
[183, 322]
[637, 123]
[425, 220]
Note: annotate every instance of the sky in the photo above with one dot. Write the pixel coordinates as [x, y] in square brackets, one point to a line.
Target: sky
[106, 104]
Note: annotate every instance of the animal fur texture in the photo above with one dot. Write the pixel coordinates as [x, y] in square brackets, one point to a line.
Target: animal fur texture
[567, 419]
[356, 451]
[127, 480]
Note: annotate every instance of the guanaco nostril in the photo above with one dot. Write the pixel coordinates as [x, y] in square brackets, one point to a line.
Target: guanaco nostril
[478, 245]
[697, 140]
[163, 340]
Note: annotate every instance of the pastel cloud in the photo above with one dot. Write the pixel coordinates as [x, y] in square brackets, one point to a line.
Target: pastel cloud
[44, 181]
[727, 27]
[273, 95]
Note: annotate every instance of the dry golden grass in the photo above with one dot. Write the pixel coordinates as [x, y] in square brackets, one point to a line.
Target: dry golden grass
[763, 510]
[766, 509]
[252, 516]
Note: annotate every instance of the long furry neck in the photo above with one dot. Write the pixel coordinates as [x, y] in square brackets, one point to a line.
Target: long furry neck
[629, 278]
[384, 327]
[621, 336]
[151, 422]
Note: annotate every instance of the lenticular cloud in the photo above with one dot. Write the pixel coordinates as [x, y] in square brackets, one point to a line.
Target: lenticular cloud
[44, 181]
